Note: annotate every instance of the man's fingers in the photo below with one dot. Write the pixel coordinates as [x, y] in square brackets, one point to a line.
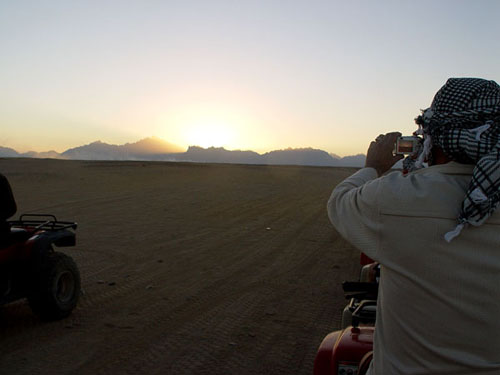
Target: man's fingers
[388, 138]
[392, 137]
[396, 134]
[379, 155]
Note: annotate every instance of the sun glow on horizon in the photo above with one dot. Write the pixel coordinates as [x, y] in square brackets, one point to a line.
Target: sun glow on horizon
[208, 135]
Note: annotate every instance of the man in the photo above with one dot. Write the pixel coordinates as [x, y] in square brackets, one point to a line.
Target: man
[437, 235]
[7, 207]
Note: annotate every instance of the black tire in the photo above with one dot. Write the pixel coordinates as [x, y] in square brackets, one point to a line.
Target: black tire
[56, 289]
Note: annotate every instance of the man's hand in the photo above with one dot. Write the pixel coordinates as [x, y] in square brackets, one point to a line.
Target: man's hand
[379, 155]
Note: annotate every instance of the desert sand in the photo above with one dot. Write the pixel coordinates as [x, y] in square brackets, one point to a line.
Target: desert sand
[186, 268]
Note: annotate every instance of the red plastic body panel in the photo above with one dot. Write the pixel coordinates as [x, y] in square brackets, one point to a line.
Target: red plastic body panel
[364, 259]
[352, 345]
[323, 360]
[18, 251]
[343, 347]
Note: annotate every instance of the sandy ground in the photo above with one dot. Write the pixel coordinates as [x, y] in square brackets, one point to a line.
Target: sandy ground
[186, 268]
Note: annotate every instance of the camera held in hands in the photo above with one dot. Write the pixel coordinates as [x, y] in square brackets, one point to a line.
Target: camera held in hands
[407, 145]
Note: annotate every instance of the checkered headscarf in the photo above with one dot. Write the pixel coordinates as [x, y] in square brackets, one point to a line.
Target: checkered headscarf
[464, 120]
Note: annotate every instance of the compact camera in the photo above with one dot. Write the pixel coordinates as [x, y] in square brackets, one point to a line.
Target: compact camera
[407, 145]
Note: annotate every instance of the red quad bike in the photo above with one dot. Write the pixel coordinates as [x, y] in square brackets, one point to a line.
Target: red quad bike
[348, 351]
[30, 268]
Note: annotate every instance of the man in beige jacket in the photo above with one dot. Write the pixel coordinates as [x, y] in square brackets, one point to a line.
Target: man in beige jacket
[439, 299]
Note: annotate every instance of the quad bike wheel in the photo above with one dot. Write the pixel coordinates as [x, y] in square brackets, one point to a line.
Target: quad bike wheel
[57, 288]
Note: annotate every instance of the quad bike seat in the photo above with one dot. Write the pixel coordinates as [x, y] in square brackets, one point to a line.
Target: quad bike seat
[19, 234]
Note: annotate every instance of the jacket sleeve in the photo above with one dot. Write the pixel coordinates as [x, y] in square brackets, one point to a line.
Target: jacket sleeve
[7, 203]
[354, 212]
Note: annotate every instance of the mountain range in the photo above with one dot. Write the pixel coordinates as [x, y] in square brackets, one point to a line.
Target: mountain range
[156, 149]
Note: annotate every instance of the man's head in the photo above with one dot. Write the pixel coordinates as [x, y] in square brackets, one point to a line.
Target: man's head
[460, 111]
[463, 94]
[464, 122]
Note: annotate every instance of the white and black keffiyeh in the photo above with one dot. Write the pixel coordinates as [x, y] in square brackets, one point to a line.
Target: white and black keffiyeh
[464, 120]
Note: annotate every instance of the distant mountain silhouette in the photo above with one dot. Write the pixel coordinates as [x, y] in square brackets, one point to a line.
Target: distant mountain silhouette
[152, 145]
[6, 152]
[141, 150]
[157, 149]
[299, 156]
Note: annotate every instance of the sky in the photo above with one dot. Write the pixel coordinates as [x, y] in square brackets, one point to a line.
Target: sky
[259, 75]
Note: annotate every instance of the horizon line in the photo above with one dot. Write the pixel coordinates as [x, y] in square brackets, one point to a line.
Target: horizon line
[186, 149]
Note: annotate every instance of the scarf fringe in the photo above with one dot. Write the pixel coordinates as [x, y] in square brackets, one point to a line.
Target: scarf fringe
[480, 130]
[454, 233]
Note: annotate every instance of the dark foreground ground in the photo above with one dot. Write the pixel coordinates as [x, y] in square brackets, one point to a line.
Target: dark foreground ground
[186, 268]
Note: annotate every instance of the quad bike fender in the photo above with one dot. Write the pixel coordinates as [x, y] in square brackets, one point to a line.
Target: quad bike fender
[44, 240]
[342, 351]
[323, 364]
[60, 238]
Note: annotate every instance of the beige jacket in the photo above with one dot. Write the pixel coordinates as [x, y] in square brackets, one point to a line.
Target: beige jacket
[439, 303]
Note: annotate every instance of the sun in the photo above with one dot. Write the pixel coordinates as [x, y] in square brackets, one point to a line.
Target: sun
[208, 135]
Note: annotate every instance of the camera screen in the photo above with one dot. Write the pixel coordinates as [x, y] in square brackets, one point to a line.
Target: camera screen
[405, 146]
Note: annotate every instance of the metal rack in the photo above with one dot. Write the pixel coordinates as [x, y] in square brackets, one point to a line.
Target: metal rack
[41, 222]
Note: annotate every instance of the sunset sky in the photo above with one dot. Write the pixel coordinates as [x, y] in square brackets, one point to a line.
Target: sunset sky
[258, 75]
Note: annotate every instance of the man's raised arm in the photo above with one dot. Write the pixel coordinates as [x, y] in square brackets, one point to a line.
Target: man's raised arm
[353, 207]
